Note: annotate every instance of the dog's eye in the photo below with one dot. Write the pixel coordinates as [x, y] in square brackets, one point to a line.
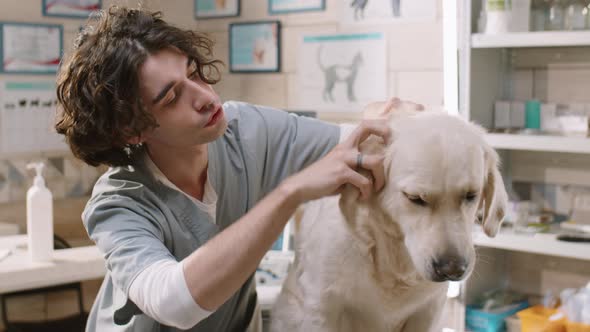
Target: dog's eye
[416, 199]
[470, 197]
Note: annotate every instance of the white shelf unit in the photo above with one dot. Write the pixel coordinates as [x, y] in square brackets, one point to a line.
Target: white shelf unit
[531, 39]
[486, 73]
[543, 244]
[544, 143]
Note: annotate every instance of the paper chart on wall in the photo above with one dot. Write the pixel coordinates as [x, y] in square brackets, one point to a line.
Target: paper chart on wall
[30, 48]
[27, 116]
[341, 72]
[73, 8]
[386, 11]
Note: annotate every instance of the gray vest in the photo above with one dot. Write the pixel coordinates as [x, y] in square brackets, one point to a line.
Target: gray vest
[135, 220]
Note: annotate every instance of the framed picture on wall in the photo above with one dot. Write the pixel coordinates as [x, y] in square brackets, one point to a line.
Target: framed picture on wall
[30, 48]
[290, 6]
[341, 72]
[70, 8]
[217, 8]
[255, 47]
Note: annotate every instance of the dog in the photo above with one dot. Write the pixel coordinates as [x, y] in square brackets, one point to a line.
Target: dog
[384, 264]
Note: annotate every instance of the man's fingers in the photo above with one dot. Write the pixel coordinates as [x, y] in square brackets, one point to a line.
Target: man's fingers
[361, 182]
[414, 106]
[389, 107]
[367, 128]
[374, 163]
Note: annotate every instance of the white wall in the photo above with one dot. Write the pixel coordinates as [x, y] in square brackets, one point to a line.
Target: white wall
[414, 53]
[414, 48]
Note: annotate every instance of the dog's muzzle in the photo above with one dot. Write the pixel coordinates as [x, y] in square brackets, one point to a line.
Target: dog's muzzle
[449, 268]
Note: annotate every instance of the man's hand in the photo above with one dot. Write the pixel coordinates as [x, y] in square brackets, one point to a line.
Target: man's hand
[339, 167]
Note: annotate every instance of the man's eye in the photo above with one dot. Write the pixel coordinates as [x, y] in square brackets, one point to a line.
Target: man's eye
[415, 199]
[172, 100]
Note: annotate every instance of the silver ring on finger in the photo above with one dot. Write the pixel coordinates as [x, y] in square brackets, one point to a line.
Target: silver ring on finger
[359, 161]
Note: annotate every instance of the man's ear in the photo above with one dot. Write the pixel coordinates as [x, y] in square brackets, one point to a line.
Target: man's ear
[135, 140]
[495, 198]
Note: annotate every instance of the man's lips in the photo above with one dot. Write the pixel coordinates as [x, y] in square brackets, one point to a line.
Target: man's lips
[215, 116]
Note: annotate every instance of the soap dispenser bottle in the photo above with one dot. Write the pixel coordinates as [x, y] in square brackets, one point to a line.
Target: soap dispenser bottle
[39, 217]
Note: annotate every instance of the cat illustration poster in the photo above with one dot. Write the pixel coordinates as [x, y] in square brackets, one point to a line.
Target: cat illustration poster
[341, 72]
[386, 11]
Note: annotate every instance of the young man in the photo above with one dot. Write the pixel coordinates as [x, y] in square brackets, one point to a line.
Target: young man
[197, 191]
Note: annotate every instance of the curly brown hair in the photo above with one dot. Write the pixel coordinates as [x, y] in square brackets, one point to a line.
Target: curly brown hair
[98, 84]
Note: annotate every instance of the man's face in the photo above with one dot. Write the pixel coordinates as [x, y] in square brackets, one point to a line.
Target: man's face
[186, 109]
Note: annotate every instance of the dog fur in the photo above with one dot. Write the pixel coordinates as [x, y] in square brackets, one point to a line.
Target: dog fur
[379, 265]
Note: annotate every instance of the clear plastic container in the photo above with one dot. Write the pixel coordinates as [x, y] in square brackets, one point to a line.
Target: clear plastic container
[539, 10]
[575, 15]
[498, 16]
[555, 15]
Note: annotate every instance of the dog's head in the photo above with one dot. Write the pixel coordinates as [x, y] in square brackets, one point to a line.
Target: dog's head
[439, 173]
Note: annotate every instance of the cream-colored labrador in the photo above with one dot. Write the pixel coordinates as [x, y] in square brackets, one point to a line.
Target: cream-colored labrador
[383, 264]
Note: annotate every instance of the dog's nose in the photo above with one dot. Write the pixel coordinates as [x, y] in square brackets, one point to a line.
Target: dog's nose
[449, 268]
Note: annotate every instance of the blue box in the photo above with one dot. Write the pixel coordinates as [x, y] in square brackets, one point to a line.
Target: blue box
[477, 320]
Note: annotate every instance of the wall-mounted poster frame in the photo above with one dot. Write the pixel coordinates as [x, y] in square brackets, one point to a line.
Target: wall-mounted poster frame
[276, 7]
[255, 47]
[70, 8]
[341, 72]
[30, 48]
[206, 9]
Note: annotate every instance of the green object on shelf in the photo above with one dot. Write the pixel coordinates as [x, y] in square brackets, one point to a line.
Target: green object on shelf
[533, 114]
[493, 5]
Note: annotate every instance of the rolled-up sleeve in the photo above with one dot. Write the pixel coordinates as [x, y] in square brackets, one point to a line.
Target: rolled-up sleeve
[128, 235]
[161, 292]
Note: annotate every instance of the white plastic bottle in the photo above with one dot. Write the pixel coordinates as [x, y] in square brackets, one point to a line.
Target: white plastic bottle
[39, 218]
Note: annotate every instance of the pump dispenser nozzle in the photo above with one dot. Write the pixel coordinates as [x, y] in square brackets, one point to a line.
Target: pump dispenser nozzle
[38, 181]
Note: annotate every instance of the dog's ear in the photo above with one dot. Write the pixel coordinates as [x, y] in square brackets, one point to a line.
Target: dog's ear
[349, 203]
[495, 198]
[391, 109]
